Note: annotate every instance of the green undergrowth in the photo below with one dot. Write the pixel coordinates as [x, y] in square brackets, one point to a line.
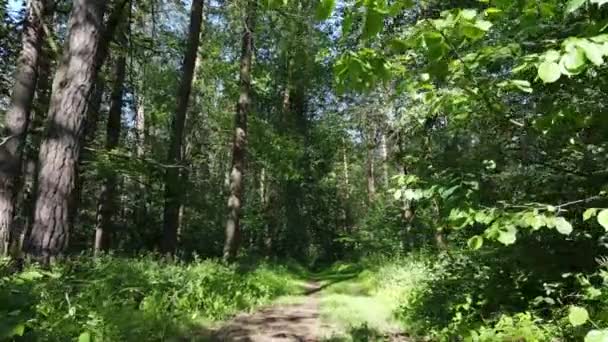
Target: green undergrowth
[133, 299]
[359, 300]
[464, 296]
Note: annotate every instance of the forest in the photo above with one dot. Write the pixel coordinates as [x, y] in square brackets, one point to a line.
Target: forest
[304, 170]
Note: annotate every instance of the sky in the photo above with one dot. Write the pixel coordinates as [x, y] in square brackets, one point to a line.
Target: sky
[14, 6]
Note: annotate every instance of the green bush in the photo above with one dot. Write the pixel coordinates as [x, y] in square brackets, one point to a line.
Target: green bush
[118, 299]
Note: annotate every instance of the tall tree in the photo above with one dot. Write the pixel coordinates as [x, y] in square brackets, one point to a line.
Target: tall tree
[107, 200]
[60, 148]
[239, 142]
[18, 117]
[173, 186]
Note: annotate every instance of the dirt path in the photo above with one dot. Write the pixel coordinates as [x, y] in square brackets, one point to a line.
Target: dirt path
[279, 322]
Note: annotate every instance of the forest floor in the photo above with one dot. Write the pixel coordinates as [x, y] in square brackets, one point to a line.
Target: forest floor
[335, 305]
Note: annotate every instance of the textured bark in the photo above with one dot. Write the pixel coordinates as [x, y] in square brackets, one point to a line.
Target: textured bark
[96, 99]
[60, 148]
[17, 119]
[235, 200]
[41, 103]
[172, 177]
[107, 201]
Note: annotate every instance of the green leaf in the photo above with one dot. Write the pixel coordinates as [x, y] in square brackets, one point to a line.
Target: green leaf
[508, 236]
[397, 194]
[574, 60]
[468, 14]
[589, 213]
[347, 24]
[602, 218]
[593, 52]
[549, 72]
[483, 25]
[475, 242]
[374, 22]
[85, 337]
[563, 226]
[597, 335]
[471, 31]
[573, 5]
[324, 9]
[578, 315]
[552, 56]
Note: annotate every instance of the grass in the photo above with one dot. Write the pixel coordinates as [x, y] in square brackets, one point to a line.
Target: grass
[131, 299]
[355, 306]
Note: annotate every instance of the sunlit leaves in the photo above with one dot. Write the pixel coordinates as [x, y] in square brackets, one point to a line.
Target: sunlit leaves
[573, 5]
[374, 22]
[324, 9]
[597, 336]
[575, 55]
[375, 11]
[563, 227]
[475, 242]
[361, 70]
[577, 315]
[521, 85]
[435, 45]
[508, 235]
[549, 72]
[602, 218]
[589, 213]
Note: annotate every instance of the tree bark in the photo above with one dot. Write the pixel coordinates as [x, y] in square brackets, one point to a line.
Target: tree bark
[61, 145]
[173, 186]
[370, 168]
[17, 119]
[235, 200]
[107, 201]
[384, 154]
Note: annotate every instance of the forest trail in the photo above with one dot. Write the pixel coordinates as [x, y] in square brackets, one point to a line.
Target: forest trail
[318, 315]
[298, 321]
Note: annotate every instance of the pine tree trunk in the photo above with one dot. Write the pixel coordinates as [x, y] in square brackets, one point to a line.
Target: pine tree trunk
[173, 186]
[30, 166]
[107, 201]
[235, 200]
[60, 148]
[17, 119]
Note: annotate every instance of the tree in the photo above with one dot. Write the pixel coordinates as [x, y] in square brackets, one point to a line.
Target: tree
[61, 145]
[107, 197]
[235, 200]
[173, 186]
[18, 117]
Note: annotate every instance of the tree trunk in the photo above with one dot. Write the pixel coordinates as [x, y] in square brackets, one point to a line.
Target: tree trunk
[173, 186]
[60, 148]
[17, 119]
[107, 201]
[94, 106]
[235, 199]
[370, 170]
[384, 154]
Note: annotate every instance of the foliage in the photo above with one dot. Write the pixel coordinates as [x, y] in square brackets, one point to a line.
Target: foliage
[117, 299]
